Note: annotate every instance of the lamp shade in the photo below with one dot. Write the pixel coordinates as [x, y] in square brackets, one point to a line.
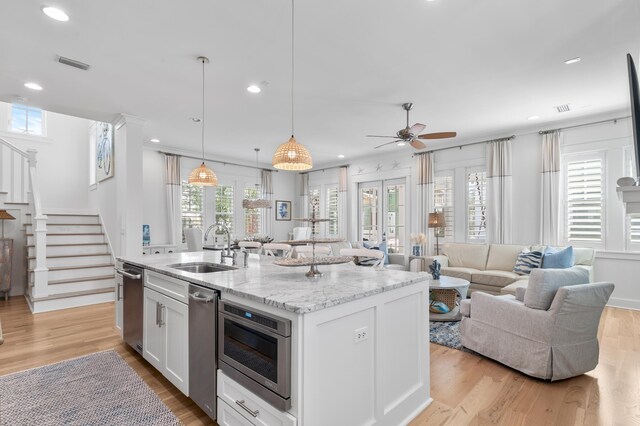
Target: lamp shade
[5, 215]
[203, 176]
[436, 220]
[292, 156]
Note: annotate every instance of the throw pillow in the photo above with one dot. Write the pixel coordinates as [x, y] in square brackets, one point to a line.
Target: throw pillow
[527, 260]
[544, 283]
[554, 259]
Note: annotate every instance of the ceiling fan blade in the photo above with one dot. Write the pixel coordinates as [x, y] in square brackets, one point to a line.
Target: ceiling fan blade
[378, 136]
[439, 135]
[387, 143]
[416, 128]
[417, 144]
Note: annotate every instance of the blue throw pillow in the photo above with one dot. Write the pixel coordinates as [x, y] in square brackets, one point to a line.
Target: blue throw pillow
[554, 259]
[383, 248]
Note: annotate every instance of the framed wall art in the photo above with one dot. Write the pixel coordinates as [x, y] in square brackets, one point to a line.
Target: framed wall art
[104, 151]
[283, 210]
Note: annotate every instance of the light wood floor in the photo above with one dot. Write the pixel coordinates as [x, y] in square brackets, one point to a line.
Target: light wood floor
[466, 388]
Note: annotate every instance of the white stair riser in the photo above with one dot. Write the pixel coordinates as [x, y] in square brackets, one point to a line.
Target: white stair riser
[80, 286]
[70, 219]
[70, 239]
[67, 229]
[74, 261]
[72, 302]
[64, 250]
[68, 274]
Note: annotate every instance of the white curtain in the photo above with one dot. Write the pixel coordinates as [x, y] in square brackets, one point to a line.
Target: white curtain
[267, 194]
[424, 204]
[499, 188]
[343, 199]
[550, 200]
[174, 198]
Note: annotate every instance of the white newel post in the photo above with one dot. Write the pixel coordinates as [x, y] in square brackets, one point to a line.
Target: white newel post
[39, 226]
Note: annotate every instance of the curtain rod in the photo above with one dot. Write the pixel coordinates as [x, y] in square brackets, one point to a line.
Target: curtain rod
[326, 168]
[218, 161]
[508, 138]
[614, 120]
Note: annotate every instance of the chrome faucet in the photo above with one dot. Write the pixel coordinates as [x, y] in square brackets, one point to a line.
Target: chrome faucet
[228, 253]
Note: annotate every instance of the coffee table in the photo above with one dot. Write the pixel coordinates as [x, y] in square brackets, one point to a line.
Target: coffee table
[459, 285]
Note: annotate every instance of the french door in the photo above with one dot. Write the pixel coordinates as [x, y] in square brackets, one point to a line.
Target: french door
[383, 214]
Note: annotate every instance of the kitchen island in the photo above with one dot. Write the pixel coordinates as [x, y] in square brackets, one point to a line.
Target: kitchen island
[358, 339]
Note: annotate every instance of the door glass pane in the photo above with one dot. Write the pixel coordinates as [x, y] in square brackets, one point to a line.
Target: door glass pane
[369, 220]
[395, 215]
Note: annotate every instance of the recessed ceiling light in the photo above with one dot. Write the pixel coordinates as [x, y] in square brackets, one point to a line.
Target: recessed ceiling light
[55, 13]
[33, 86]
[195, 119]
[401, 143]
[341, 156]
[254, 89]
[533, 117]
[154, 140]
[572, 60]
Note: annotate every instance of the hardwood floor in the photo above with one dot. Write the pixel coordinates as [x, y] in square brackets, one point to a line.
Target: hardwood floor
[466, 388]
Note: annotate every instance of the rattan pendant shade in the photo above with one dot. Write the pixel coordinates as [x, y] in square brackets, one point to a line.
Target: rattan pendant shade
[292, 156]
[203, 176]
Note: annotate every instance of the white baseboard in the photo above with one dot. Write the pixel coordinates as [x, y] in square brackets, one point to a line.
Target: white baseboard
[618, 302]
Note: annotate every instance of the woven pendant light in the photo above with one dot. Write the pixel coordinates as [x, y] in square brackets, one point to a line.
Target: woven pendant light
[292, 155]
[203, 175]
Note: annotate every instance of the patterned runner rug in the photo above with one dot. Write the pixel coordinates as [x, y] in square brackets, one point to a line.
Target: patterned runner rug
[97, 389]
[446, 333]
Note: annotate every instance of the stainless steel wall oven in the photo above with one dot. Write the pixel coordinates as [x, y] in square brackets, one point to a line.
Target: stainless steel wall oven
[254, 349]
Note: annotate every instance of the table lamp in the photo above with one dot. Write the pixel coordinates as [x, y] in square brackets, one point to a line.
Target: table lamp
[436, 220]
[4, 215]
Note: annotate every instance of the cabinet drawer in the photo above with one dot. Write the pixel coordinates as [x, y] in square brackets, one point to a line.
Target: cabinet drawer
[237, 396]
[169, 286]
[228, 416]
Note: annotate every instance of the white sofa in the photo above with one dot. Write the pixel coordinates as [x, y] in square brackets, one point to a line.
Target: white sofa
[489, 267]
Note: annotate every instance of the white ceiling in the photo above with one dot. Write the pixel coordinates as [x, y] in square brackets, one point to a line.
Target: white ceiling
[476, 67]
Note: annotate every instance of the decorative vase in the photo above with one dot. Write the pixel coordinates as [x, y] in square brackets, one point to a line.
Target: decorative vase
[434, 269]
[416, 250]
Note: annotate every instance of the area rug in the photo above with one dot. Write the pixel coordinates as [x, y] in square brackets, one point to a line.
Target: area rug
[445, 333]
[97, 389]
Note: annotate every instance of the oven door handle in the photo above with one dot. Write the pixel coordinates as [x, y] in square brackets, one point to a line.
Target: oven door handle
[251, 324]
[247, 409]
[128, 275]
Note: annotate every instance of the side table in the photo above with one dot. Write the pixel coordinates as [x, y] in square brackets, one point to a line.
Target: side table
[458, 285]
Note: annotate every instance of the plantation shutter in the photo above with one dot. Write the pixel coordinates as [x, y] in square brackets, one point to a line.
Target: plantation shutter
[584, 200]
[476, 206]
[443, 201]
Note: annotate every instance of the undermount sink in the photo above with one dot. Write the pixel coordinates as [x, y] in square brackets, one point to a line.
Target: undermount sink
[202, 267]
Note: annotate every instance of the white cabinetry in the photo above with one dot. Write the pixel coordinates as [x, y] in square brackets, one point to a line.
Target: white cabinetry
[166, 333]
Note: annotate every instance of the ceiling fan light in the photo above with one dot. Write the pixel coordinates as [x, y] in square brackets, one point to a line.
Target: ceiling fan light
[402, 143]
[203, 176]
[292, 156]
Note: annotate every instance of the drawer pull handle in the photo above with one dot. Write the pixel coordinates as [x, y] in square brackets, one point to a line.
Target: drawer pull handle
[247, 409]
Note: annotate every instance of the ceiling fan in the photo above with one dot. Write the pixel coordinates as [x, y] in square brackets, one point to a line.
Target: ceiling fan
[410, 135]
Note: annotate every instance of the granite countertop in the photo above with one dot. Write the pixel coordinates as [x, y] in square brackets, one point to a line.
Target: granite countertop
[284, 287]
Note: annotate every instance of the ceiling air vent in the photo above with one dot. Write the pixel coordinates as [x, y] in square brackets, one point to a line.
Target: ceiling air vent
[563, 108]
[73, 63]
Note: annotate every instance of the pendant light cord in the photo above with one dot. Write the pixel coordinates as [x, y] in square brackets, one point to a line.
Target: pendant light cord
[293, 68]
[203, 61]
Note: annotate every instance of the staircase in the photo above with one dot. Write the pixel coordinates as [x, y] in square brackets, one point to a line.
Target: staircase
[80, 267]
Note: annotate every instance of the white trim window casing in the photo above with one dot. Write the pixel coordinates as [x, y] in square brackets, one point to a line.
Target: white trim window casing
[476, 222]
[192, 207]
[584, 193]
[27, 120]
[443, 200]
[224, 212]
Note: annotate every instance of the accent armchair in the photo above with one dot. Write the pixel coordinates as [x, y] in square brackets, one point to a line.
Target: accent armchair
[553, 340]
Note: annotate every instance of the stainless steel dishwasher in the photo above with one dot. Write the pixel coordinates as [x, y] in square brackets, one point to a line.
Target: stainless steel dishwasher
[132, 302]
[203, 362]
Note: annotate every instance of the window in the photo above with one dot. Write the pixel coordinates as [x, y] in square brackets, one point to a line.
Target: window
[476, 206]
[443, 200]
[332, 211]
[253, 217]
[27, 120]
[633, 225]
[224, 206]
[395, 215]
[369, 222]
[192, 206]
[315, 193]
[584, 197]
[382, 212]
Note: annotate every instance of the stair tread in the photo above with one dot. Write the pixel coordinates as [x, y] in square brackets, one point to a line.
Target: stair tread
[72, 255]
[71, 294]
[63, 268]
[70, 233]
[71, 245]
[82, 279]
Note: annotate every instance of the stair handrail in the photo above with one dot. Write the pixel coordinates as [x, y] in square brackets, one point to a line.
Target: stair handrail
[14, 148]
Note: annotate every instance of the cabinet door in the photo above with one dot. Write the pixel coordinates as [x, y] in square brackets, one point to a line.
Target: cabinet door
[154, 339]
[175, 326]
[119, 303]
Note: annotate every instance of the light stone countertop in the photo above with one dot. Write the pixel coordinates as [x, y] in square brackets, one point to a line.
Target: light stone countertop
[284, 287]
